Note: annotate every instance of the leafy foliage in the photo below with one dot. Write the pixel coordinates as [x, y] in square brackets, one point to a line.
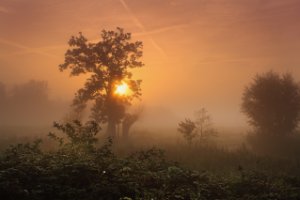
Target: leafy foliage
[79, 169]
[204, 124]
[272, 103]
[78, 135]
[201, 127]
[188, 130]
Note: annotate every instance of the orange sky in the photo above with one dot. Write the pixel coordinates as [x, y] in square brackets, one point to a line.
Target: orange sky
[197, 52]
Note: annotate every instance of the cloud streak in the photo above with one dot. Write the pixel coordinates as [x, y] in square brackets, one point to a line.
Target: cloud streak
[26, 49]
[142, 27]
[162, 30]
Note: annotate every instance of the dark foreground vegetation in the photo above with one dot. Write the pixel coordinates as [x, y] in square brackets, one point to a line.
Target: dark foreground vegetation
[80, 168]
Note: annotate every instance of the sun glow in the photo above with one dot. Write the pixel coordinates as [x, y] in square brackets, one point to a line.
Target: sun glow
[122, 89]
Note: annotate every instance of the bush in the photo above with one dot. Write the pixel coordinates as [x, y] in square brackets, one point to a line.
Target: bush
[78, 169]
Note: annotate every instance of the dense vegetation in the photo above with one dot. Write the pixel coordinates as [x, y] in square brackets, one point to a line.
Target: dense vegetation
[80, 168]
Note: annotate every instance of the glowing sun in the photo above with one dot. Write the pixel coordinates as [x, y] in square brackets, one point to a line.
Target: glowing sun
[122, 89]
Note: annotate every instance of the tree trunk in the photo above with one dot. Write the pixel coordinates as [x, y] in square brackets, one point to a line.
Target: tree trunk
[125, 130]
[111, 129]
[113, 112]
[128, 121]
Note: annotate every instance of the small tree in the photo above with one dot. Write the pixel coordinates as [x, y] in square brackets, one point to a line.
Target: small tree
[272, 103]
[204, 124]
[108, 62]
[188, 130]
[77, 136]
[201, 127]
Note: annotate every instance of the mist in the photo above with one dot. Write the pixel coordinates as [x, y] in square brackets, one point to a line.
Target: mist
[152, 99]
[203, 51]
[28, 104]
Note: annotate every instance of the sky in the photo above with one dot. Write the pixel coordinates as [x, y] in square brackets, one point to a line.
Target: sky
[197, 53]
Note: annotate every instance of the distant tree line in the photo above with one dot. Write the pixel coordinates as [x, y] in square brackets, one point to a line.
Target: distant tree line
[28, 104]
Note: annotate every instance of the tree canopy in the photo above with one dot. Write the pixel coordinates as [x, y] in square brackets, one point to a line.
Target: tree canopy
[188, 130]
[201, 127]
[108, 62]
[272, 103]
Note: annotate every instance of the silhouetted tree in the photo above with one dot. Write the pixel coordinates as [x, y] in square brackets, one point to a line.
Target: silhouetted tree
[201, 127]
[272, 103]
[204, 124]
[188, 130]
[108, 62]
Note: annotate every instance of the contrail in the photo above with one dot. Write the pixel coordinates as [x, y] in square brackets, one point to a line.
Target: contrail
[134, 18]
[141, 26]
[161, 30]
[26, 49]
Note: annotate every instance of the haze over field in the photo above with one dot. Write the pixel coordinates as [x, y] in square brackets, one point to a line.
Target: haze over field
[197, 52]
[150, 99]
